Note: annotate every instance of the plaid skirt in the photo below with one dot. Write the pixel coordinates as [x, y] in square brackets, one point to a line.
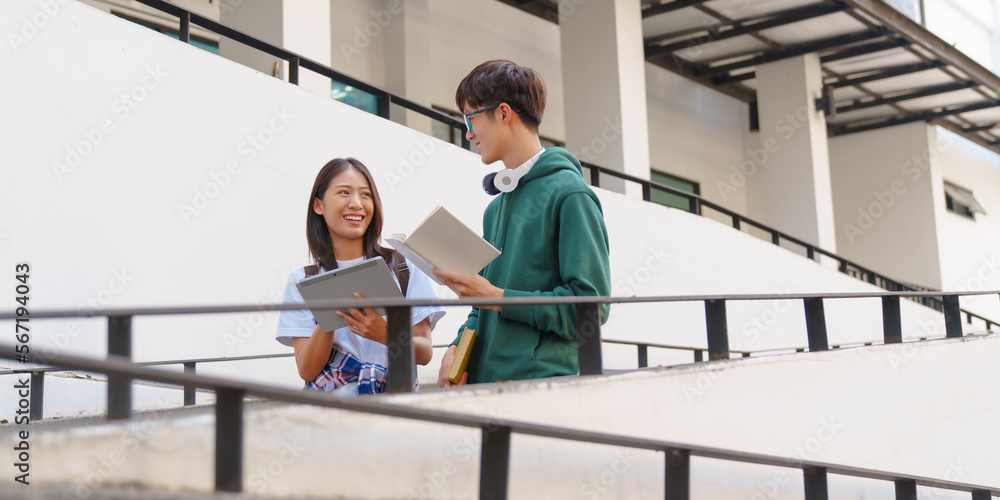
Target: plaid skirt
[344, 368]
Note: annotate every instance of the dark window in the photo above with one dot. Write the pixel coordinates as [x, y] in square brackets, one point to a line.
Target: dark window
[446, 132]
[671, 199]
[354, 97]
[201, 43]
[960, 201]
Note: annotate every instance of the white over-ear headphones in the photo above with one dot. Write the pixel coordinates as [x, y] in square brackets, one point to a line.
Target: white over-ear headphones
[504, 181]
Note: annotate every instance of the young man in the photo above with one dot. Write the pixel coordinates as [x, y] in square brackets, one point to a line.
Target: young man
[549, 228]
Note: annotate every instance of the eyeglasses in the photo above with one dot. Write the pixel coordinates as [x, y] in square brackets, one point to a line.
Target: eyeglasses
[468, 126]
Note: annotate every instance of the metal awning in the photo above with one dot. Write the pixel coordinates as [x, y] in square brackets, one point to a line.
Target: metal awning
[880, 67]
[964, 197]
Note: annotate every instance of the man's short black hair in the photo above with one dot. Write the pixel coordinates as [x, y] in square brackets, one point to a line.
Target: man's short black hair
[501, 81]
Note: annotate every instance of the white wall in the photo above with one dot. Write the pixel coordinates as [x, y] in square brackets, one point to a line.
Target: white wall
[468, 32]
[353, 51]
[797, 176]
[910, 8]
[262, 20]
[301, 27]
[170, 203]
[884, 201]
[970, 249]
[969, 25]
[696, 133]
[306, 32]
[603, 65]
[463, 33]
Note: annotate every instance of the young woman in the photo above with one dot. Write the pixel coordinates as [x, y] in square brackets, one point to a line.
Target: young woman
[343, 228]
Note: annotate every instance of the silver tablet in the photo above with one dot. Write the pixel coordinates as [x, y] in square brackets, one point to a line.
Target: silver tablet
[370, 278]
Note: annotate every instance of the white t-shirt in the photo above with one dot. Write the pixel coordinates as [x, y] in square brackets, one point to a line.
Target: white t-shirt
[301, 323]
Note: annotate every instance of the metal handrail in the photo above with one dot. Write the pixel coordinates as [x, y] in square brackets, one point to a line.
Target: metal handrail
[696, 201]
[401, 373]
[190, 365]
[486, 301]
[296, 61]
[588, 327]
[495, 448]
[51, 369]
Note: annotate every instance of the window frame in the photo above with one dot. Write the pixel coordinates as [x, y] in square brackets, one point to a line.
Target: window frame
[961, 201]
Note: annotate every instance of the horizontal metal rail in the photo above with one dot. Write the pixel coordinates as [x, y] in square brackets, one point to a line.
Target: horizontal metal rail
[190, 367]
[588, 328]
[696, 202]
[230, 416]
[642, 349]
[480, 302]
[50, 369]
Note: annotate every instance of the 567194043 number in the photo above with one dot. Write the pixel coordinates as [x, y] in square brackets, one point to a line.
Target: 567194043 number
[22, 332]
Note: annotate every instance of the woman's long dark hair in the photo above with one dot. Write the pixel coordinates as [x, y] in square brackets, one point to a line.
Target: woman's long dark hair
[318, 235]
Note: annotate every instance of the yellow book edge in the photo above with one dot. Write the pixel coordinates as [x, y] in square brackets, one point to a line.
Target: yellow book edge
[461, 360]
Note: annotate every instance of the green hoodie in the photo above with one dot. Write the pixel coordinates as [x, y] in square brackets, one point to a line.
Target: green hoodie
[553, 243]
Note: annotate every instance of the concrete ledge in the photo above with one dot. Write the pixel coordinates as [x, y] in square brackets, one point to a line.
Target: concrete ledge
[913, 408]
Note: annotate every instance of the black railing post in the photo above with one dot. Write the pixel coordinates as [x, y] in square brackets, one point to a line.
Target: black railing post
[816, 324]
[494, 463]
[189, 390]
[814, 479]
[810, 252]
[677, 475]
[698, 356]
[906, 489]
[643, 353]
[229, 440]
[37, 395]
[843, 266]
[952, 316]
[384, 105]
[185, 31]
[981, 495]
[647, 195]
[588, 339]
[401, 367]
[293, 70]
[736, 222]
[695, 205]
[892, 326]
[119, 387]
[776, 238]
[595, 176]
[718, 331]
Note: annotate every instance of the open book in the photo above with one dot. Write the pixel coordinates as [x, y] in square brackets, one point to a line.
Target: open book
[444, 242]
